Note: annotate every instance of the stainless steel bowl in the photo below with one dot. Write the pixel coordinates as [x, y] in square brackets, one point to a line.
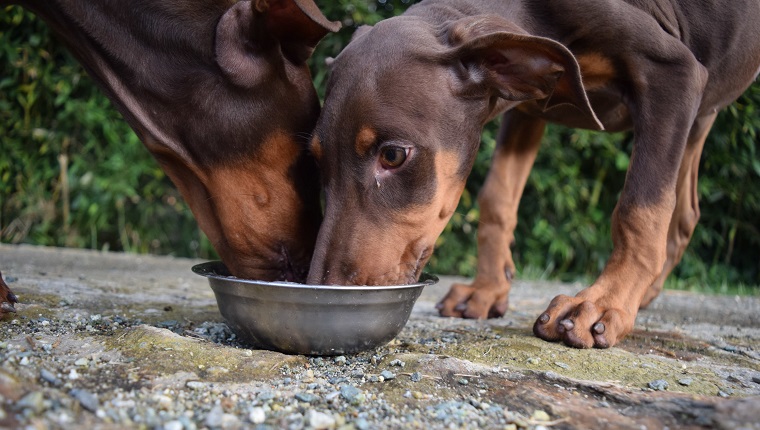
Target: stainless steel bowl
[311, 319]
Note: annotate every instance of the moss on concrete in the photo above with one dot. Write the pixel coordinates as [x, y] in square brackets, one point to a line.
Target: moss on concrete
[163, 352]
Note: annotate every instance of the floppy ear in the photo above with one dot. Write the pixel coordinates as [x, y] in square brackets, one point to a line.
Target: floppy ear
[518, 66]
[250, 33]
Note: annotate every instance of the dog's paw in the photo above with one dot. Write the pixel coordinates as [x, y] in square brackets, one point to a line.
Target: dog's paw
[582, 323]
[7, 298]
[477, 301]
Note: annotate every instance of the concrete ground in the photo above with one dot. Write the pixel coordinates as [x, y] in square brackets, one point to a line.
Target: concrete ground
[95, 330]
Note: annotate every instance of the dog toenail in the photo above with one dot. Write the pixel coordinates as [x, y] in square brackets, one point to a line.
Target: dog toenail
[544, 318]
[567, 324]
[460, 307]
[599, 328]
[439, 306]
[12, 297]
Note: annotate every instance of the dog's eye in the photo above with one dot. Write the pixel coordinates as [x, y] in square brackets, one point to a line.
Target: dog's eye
[393, 156]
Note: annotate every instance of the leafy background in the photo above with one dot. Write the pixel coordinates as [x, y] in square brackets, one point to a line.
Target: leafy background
[72, 173]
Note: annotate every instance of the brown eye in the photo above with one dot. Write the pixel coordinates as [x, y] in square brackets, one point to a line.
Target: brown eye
[392, 156]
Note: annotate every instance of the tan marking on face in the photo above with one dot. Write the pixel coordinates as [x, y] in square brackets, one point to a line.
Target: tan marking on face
[255, 205]
[364, 140]
[431, 219]
[316, 148]
[596, 70]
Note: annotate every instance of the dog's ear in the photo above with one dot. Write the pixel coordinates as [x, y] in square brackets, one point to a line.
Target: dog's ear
[518, 66]
[251, 33]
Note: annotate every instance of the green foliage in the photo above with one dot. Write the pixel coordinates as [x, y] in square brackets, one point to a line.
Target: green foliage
[73, 174]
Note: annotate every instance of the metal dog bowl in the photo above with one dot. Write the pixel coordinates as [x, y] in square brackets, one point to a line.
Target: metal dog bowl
[311, 319]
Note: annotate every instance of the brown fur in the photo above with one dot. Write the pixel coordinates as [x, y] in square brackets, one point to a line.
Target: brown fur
[430, 79]
[220, 93]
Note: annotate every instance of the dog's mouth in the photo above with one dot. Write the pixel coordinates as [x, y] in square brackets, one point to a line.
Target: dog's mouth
[291, 270]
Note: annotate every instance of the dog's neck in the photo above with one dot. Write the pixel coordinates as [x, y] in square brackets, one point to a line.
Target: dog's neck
[154, 60]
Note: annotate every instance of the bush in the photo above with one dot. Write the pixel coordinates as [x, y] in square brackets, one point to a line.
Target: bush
[73, 174]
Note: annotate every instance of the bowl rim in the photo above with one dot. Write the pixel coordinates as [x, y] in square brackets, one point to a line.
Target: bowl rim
[211, 269]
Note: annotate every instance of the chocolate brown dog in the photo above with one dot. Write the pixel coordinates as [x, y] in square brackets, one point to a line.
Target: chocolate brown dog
[407, 100]
[220, 93]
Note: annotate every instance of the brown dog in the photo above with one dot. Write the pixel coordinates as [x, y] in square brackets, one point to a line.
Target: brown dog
[407, 100]
[220, 93]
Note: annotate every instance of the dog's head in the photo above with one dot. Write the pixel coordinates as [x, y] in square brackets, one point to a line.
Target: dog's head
[400, 129]
[241, 160]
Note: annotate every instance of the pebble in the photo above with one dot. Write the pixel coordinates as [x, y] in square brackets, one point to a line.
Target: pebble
[352, 394]
[214, 417]
[306, 397]
[86, 399]
[50, 377]
[361, 424]
[387, 375]
[257, 415]
[195, 385]
[397, 362]
[33, 401]
[174, 425]
[82, 362]
[562, 365]
[320, 420]
[340, 359]
[659, 385]
[539, 415]
[685, 381]
[416, 377]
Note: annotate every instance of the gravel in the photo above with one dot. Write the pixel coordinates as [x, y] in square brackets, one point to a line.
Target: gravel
[329, 394]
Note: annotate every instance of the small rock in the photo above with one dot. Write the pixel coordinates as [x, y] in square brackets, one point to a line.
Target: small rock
[561, 364]
[463, 381]
[540, 415]
[352, 394]
[534, 360]
[214, 417]
[174, 425]
[361, 424]
[320, 420]
[50, 377]
[416, 377]
[305, 397]
[24, 361]
[756, 379]
[418, 395]
[33, 401]
[397, 362]
[387, 375]
[230, 421]
[257, 415]
[73, 374]
[195, 385]
[659, 385]
[685, 381]
[340, 359]
[164, 402]
[82, 362]
[722, 393]
[86, 399]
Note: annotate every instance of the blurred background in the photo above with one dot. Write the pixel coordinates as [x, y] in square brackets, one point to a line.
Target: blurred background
[73, 174]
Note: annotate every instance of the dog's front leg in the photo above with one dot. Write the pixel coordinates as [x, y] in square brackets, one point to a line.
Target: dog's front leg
[488, 296]
[7, 298]
[664, 104]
